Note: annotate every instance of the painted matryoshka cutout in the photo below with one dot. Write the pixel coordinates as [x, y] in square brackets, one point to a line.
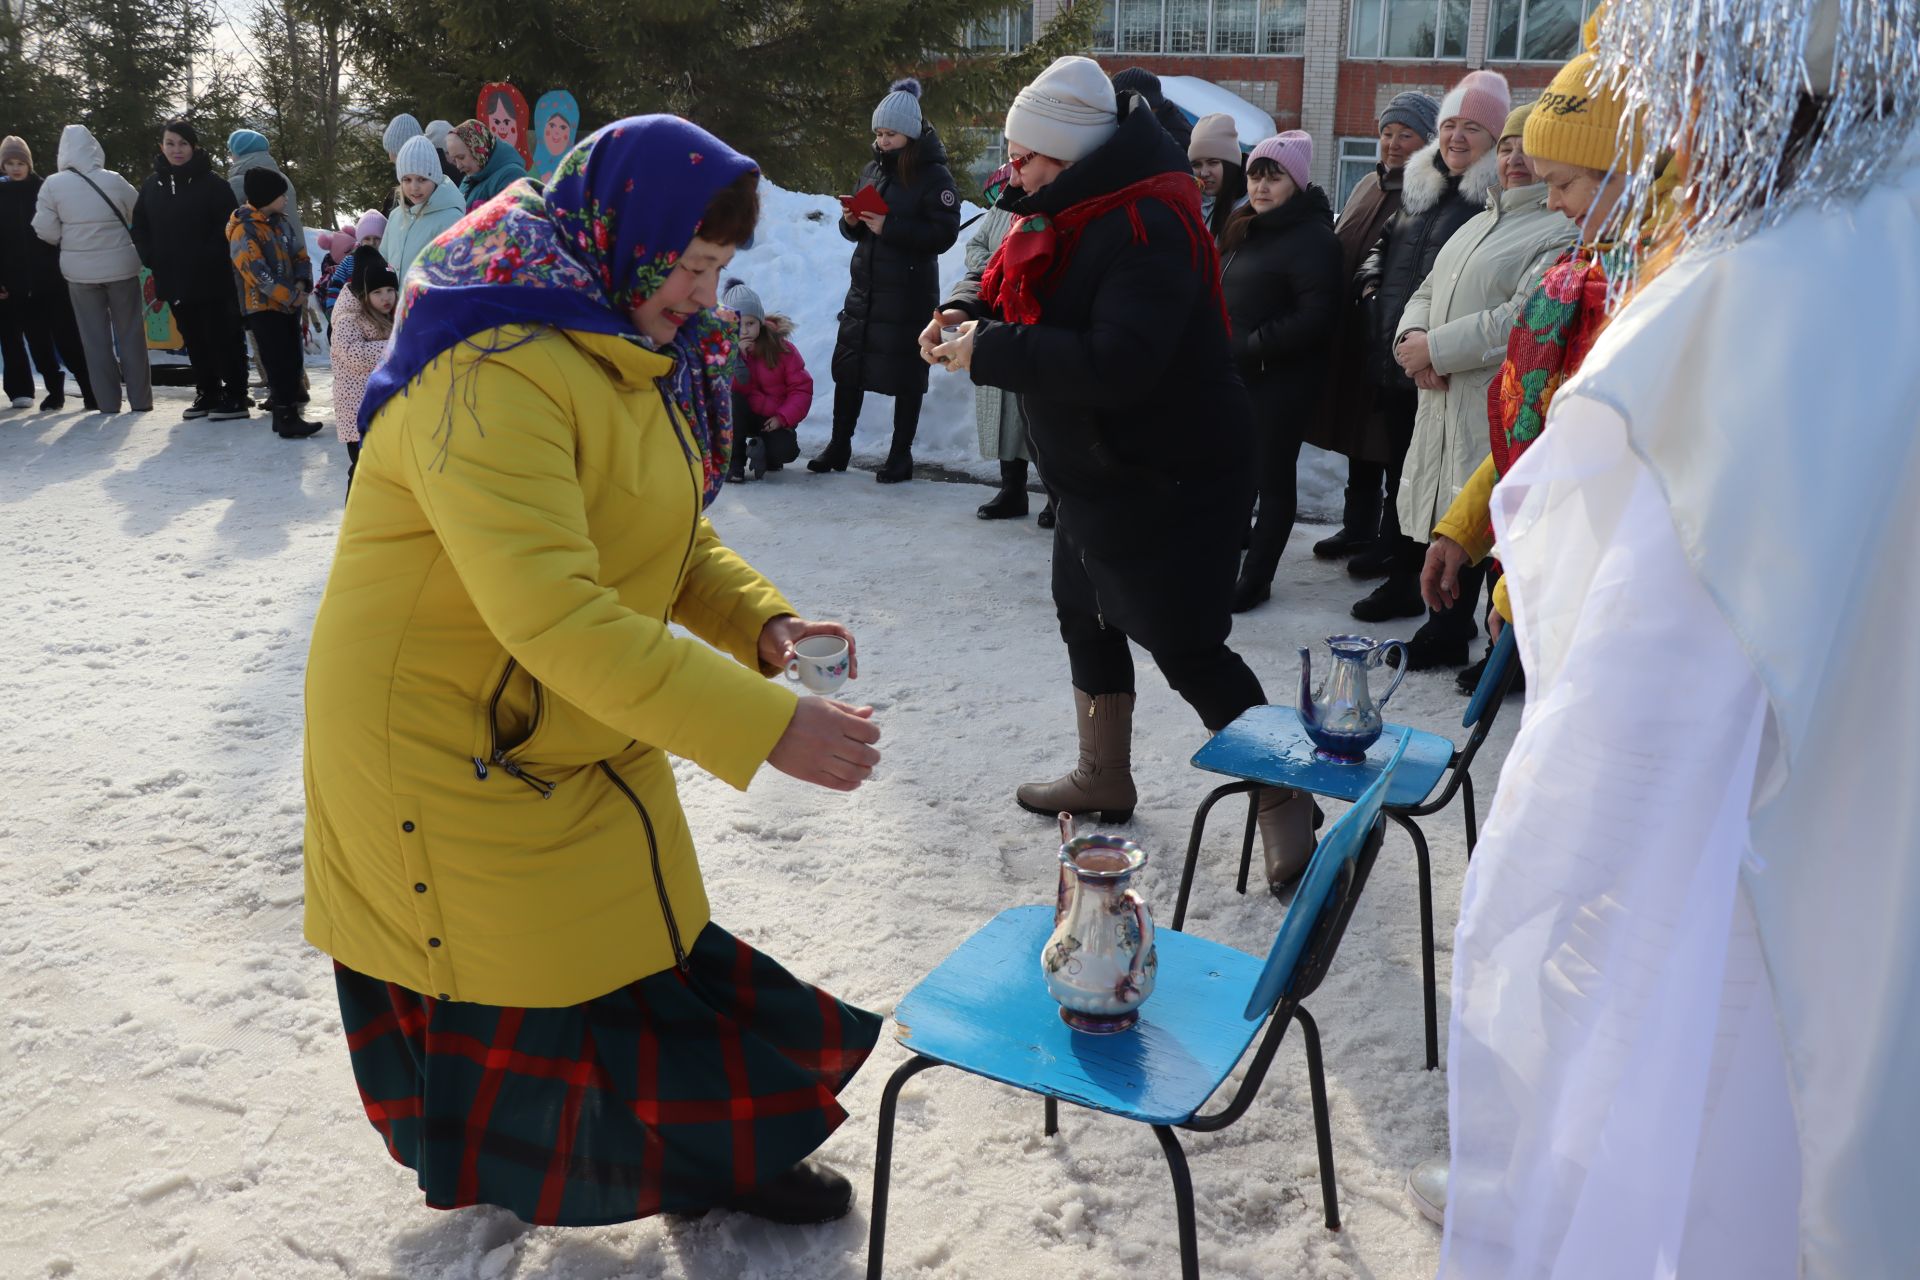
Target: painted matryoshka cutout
[556, 123]
[503, 109]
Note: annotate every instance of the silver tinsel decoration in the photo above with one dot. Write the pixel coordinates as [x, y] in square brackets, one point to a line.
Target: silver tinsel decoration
[1731, 78]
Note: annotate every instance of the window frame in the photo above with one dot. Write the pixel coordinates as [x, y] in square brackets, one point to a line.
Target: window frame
[1379, 8]
[1342, 157]
[1110, 44]
[1520, 36]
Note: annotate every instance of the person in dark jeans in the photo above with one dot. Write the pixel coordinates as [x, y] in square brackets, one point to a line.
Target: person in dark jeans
[1109, 325]
[275, 278]
[36, 315]
[179, 227]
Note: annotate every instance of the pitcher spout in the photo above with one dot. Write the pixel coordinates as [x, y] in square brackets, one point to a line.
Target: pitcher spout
[1308, 715]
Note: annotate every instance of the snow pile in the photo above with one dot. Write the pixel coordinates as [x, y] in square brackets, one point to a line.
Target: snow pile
[798, 265]
[1196, 97]
[179, 1102]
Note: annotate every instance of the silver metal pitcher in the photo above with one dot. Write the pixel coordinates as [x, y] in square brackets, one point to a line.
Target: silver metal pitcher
[1343, 719]
[1100, 961]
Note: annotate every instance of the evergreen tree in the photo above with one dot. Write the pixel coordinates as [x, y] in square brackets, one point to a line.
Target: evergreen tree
[792, 83]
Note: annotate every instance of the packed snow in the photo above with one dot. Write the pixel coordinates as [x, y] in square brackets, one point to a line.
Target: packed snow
[178, 1100]
[1197, 97]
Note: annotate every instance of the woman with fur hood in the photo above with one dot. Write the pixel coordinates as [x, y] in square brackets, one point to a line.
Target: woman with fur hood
[1446, 184]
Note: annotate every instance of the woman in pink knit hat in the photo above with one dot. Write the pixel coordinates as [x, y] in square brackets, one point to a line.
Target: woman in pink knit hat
[1447, 183]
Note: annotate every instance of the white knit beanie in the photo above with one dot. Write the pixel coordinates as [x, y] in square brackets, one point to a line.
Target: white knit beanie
[417, 157]
[399, 129]
[437, 131]
[1067, 113]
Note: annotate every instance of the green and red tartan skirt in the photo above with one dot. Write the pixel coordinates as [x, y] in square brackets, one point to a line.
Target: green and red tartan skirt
[669, 1094]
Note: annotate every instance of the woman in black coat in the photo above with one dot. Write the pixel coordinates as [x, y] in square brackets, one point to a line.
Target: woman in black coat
[1281, 271]
[36, 313]
[1446, 184]
[180, 229]
[1112, 330]
[896, 280]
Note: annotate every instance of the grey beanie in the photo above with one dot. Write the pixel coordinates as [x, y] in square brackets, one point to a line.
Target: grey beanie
[399, 129]
[1416, 111]
[900, 109]
[417, 157]
[437, 131]
[737, 298]
[1141, 81]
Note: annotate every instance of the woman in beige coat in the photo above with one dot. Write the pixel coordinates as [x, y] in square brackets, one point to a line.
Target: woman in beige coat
[1450, 340]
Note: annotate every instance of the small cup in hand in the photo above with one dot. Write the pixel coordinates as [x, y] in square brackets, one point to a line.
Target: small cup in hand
[820, 663]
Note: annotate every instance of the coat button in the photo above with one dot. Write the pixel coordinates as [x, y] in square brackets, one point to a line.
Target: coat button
[406, 826]
[445, 996]
[433, 942]
[419, 888]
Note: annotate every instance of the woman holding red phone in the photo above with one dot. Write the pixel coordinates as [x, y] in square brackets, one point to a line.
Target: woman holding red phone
[895, 278]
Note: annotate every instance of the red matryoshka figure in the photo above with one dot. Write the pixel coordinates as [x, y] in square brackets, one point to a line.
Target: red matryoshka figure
[503, 109]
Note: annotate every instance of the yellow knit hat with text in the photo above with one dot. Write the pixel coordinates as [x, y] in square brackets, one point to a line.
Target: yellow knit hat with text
[1577, 121]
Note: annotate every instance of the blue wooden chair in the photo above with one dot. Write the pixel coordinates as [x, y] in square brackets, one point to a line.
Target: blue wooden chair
[1269, 747]
[986, 1010]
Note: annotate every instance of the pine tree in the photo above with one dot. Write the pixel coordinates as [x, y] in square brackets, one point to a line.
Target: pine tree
[299, 78]
[792, 83]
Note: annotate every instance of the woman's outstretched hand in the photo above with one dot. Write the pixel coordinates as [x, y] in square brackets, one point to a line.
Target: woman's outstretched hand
[828, 744]
[780, 634]
[930, 336]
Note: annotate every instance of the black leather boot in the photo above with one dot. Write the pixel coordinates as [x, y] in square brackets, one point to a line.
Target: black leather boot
[899, 464]
[837, 454]
[804, 1195]
[1011, 501]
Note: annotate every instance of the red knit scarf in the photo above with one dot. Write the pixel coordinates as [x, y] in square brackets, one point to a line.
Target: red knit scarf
[1034, 255]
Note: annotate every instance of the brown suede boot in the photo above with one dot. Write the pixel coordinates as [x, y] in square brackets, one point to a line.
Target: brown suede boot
[1103, 780]
[1287, 822]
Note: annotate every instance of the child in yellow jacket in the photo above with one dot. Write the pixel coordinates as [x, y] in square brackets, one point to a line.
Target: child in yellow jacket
[275, 278]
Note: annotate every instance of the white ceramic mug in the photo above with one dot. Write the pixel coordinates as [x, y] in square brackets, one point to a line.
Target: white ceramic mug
[820, 663]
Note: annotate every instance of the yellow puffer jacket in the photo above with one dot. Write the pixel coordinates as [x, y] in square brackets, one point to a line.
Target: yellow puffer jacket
[1466, 523]
[493, 689]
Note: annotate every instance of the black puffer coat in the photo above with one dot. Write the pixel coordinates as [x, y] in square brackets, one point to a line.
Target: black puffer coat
[28, 264]
[1134, 406]
[1434, 204]
[180, 229]
[896, 276]
[1285, 284]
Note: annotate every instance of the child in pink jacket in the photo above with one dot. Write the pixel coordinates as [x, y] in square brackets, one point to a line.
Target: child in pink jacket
[362, 326]
[772, 391]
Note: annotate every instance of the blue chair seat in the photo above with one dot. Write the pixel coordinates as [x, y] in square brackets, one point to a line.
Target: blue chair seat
[1191, 1030]
[1269, 745]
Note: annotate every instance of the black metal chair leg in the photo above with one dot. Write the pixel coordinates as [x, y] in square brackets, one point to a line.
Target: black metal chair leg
[883, 1159]
[1053, 1116]
[1246, 843]
[1426, 937]
[1182, 1201]
[1466, 801]
[1322, 1122]
[1193, 845]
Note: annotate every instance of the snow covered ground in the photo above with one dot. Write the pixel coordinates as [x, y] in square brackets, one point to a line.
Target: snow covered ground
[177, 1099]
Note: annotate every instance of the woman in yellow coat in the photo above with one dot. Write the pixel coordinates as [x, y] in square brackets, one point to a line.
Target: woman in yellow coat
[540, 1012]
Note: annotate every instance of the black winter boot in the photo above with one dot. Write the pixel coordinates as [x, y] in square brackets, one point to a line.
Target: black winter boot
[804, 1195]
[1011, 501]
[288, 425]
[899, 464]
[837, 454]
[1397, 597]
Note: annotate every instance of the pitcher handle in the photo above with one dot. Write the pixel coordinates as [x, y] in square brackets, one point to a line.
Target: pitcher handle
[1144, 922]
[1380, 655]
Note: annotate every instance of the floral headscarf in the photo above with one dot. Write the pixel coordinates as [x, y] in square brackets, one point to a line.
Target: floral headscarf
[478, 137]
[623, 205]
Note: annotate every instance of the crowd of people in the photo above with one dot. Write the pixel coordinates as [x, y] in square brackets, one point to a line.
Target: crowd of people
[544, 388]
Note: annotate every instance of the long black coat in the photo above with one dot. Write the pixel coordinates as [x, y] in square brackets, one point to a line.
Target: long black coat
[895, 275]
[180, 229]
[1285, 283]
[1134, 405]
[28, 264]
[1434, 204]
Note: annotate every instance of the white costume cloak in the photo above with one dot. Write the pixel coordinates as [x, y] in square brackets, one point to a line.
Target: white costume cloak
[1686, 990]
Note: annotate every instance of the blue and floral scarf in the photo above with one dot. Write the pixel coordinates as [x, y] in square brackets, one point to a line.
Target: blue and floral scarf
[623, 205]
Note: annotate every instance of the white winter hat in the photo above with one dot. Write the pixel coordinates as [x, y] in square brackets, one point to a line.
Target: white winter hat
[417, 157]
[399, 129]
[1067, 112]
[738, 298]
[437, 131]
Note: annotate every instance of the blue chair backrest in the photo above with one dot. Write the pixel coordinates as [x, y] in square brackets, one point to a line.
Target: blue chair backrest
[1336, 850]
[1490, 677]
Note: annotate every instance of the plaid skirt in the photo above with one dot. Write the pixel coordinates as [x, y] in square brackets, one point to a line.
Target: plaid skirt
[669, 1094]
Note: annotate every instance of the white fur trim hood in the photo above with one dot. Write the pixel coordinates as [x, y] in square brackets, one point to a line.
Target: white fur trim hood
[1425, 184]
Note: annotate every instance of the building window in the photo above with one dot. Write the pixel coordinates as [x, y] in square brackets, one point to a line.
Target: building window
[1536, 30]
[1358, 158]
[1427, 30]
[1007, 32]
[1204, 26]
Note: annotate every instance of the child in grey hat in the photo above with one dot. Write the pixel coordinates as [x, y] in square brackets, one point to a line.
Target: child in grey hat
[772, 390]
